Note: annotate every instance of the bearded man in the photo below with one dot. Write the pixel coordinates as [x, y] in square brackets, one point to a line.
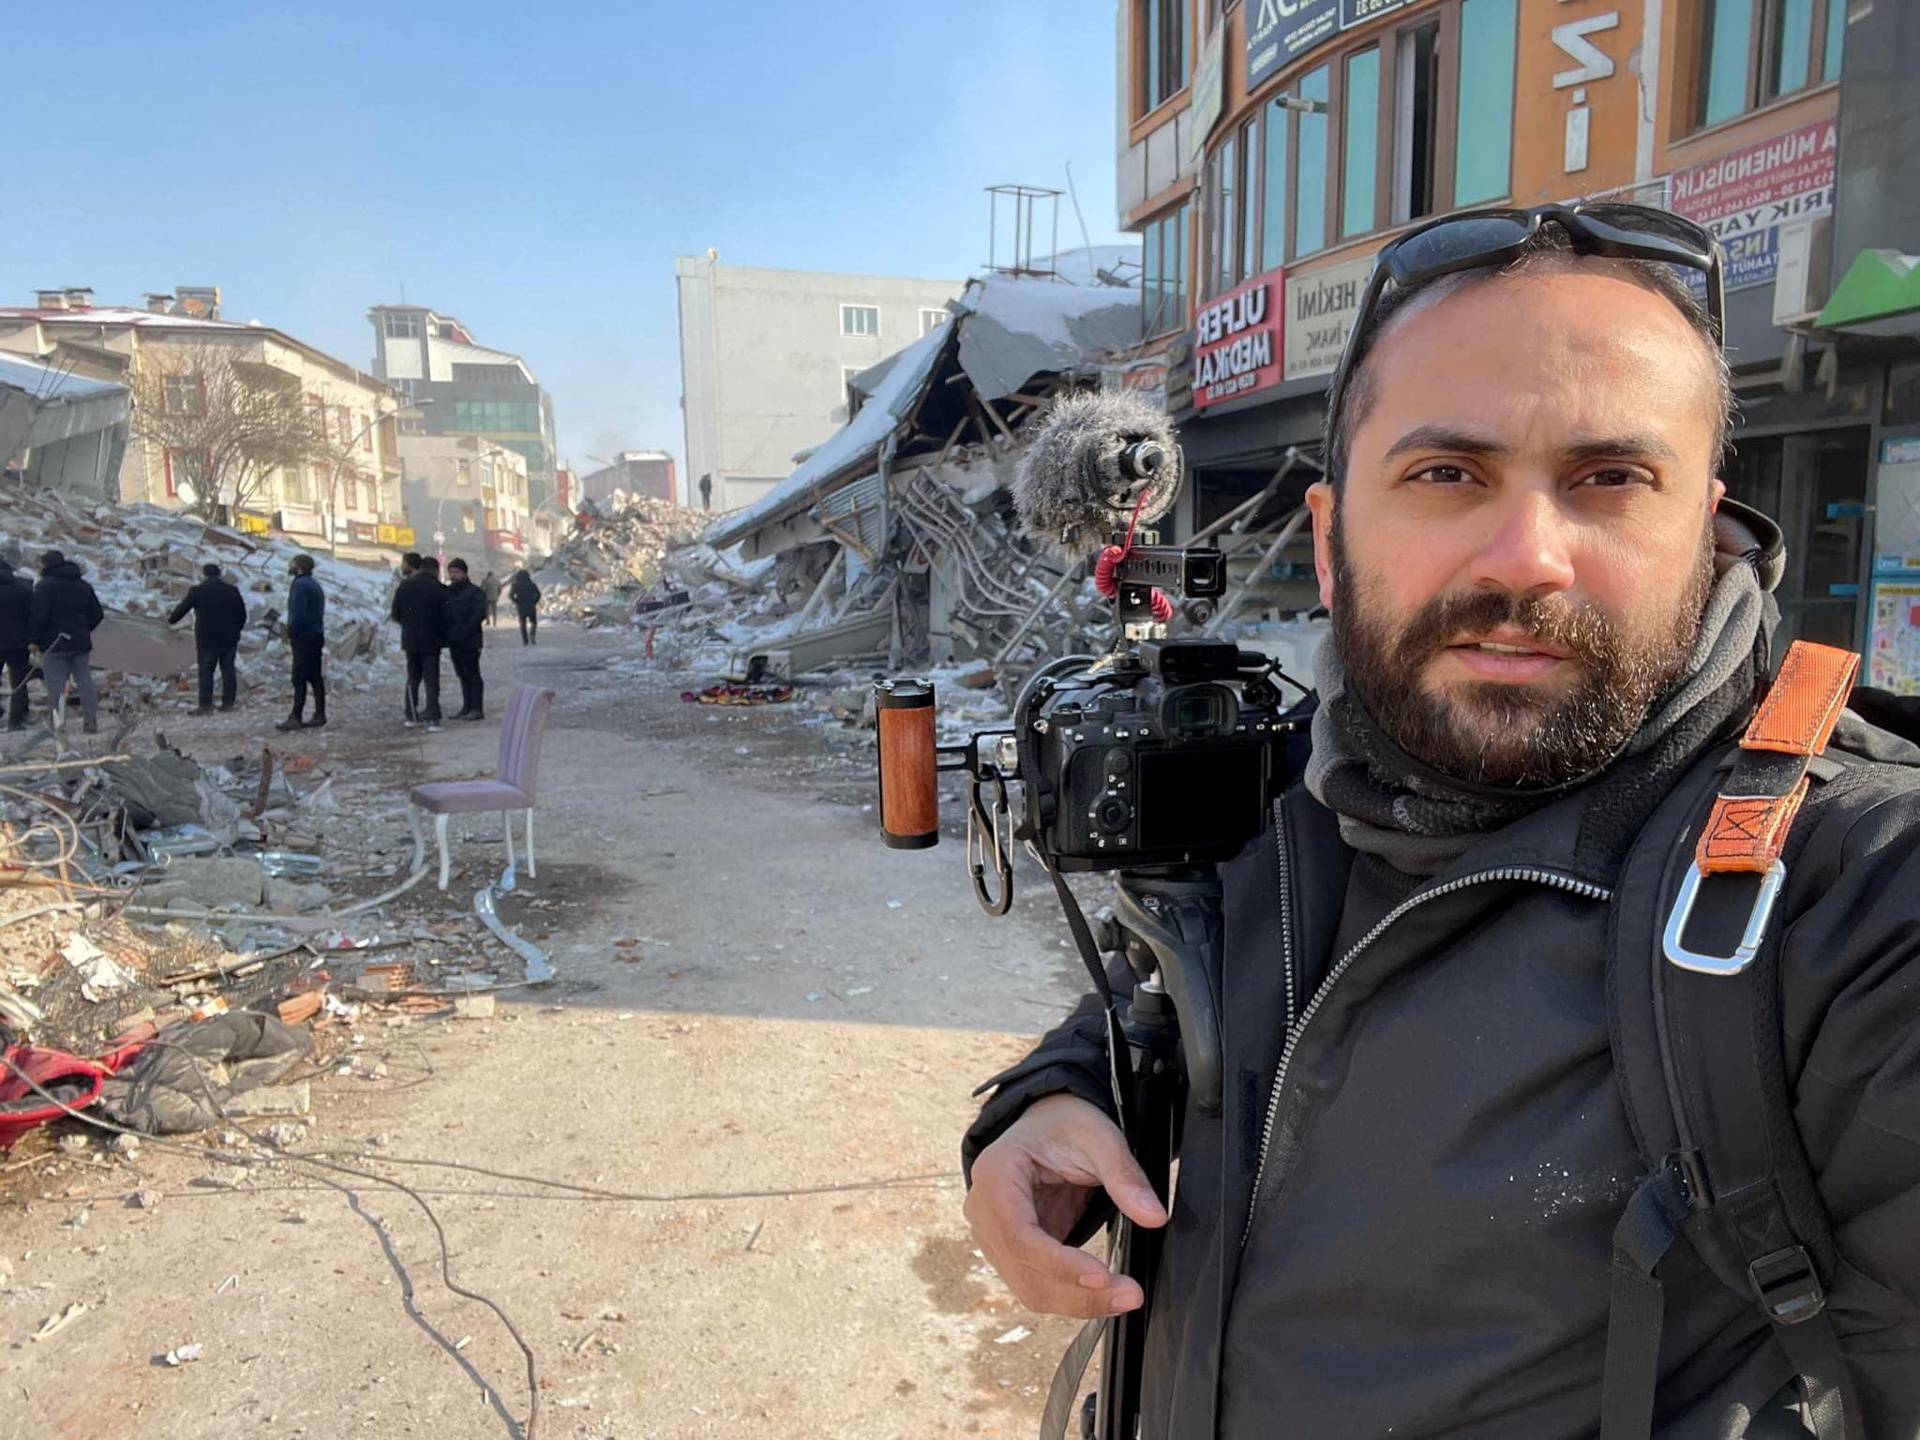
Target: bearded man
[1424, 1208]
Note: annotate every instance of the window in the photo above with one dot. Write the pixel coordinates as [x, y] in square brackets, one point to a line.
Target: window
[1164, 286]
[184, 395]
[1162, 28]
[1226, 237]
[1249, 203]
[403, 327]
[1752, 52]
[366, 436]
[1310, 173]
[186, 473]
[1360, 164]
[1273, 186]
[295, 485]
[343, 424]
[859, 319]
[488, 416]
[931, 320]
[1483, 149]
[1416, 121]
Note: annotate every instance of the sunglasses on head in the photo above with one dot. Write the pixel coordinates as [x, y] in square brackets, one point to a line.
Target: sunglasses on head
[1485, 239]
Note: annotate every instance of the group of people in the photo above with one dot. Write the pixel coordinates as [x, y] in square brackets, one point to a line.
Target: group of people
[56, 616]
[46, 629]
[451, 616]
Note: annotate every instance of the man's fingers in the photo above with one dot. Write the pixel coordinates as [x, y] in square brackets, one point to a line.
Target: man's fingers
[1103, 1151]
[1057, 1279]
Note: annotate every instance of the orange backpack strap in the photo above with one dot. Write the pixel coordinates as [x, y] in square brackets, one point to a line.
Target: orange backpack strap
[1746, 834]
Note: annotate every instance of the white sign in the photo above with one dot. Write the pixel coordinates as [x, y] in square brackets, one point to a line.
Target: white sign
[1595, 63]
[1320, 310]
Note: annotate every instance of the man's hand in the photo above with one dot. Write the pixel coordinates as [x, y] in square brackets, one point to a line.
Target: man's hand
[1030, 1187]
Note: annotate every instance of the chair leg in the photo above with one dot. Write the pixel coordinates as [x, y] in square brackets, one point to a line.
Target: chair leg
[440, 834]
[532, 869]
[506, 824]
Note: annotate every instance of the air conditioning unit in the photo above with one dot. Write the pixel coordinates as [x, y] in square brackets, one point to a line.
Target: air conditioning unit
[1805, 268]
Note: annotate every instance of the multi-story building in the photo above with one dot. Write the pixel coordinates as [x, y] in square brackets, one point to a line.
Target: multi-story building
[339, 494]
[464, 388]
[1269, 147]
[765, 361]
[467, 495]
[638, 472]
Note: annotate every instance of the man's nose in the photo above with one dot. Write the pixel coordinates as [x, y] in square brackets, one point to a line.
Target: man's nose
[1529, 548]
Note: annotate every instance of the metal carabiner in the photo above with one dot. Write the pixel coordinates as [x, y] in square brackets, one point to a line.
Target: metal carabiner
[978, 845]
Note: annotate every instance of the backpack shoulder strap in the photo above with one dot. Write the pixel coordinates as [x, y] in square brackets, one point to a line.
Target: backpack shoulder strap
[1694, 1001]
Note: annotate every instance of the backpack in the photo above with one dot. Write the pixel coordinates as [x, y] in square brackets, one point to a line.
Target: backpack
[1694, 1002]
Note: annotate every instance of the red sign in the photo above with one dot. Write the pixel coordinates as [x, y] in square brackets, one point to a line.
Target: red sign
[1236, 342]
[1744, 198]
[503, 540]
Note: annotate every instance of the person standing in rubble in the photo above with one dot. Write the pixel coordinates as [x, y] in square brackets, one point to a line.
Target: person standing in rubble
[219, 615]
[16, 633]
[466, 615]
[65, 614]
[420, 605]
[409, 567]
[306, 636]
[526, 603]
[490, 587]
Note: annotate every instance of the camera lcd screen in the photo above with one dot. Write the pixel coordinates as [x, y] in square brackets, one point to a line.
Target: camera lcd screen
[1200, 796]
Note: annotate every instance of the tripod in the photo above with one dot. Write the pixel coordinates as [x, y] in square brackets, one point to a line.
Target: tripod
[1165, 1046]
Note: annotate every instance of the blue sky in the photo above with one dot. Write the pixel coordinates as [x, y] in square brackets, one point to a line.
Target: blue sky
[534, 168]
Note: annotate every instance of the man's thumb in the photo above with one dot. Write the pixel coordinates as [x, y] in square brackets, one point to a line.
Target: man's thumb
[1124, 1181]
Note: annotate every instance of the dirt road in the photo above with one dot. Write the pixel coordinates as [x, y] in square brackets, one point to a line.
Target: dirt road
[759, 1117]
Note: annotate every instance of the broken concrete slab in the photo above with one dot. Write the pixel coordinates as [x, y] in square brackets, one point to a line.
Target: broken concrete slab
[210, 880]
[262, 1100]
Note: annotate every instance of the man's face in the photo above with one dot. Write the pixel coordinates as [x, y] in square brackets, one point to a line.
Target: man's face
[1518, 560]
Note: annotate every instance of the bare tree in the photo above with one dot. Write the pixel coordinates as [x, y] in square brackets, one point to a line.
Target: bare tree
[226, 423]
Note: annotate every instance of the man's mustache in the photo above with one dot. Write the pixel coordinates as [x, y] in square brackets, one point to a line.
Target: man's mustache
[1582, 631]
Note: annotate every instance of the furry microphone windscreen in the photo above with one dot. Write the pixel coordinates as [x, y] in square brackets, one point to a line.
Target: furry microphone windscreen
[1069, 491]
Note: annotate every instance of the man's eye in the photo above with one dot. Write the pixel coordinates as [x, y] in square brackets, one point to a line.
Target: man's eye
[1614, 478]
[1443, 475]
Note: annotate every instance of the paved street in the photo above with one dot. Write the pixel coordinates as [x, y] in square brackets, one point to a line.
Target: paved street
[751, 1226]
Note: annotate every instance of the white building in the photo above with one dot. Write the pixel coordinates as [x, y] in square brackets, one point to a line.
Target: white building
[466, 495]
[765, 356]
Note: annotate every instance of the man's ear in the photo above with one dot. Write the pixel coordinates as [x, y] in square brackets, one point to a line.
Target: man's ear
[1716, 492]
[1320, 501]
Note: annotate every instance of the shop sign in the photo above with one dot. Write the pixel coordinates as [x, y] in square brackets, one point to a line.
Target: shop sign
[1146, 378]
[1204, 113]
[362, 533]
[250, 524]
[1279, 30]
[301, 520]
[1236, 342]
[504, 540]
[1744, 198]
[1900, 452]
[398, 535]
[1321, 307]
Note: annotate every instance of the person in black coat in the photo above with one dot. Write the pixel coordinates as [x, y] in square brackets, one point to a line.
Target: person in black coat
[526, 604]
[420, 605]
[16, 633]
[219, 615]
[466, 618]
[66, 612]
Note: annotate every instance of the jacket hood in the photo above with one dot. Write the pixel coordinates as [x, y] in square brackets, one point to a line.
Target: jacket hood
[65, 570]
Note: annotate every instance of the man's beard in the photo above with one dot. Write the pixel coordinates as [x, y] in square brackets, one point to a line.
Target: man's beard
[1491, 733]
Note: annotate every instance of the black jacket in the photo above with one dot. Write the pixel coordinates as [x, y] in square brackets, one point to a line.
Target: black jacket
[219, 614]
[1450, 1152]
[465, 615]
[523, 592]
[420, 604]
[16, 610]
[65, 610]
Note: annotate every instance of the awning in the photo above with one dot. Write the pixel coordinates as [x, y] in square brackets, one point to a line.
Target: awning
[43, 404]
[1879, 295]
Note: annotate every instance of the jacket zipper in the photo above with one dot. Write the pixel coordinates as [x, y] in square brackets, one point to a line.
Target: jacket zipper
[1286, 910]
[1583, 888]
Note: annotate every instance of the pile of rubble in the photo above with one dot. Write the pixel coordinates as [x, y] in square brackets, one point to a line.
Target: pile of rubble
[141, 560]
[144, 897]
[616, 556]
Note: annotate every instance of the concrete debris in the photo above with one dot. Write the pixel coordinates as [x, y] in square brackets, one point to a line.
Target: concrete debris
[183, 1355]
[55, 1324]
[265, 1100]
[616, 553]
[144, 1199]
[474, 1007]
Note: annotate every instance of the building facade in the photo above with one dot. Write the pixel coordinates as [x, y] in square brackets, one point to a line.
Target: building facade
[638, 472]
[766, 357]
[1268, 148]
[465, 388]
[467, 495]
[333, 499]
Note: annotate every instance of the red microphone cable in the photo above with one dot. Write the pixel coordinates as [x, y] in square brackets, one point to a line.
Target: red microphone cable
[1109, 562]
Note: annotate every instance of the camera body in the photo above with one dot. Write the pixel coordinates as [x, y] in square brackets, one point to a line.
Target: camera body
[1169, 761]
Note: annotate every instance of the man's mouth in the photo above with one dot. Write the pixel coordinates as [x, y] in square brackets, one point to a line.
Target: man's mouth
[1507, 657]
